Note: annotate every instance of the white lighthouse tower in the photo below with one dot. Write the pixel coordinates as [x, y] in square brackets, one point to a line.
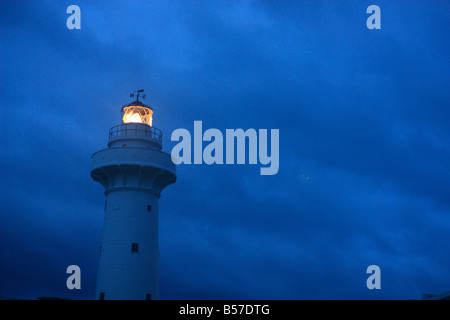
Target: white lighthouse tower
[133, 170]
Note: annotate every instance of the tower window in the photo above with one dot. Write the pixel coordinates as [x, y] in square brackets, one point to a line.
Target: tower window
[135, 247]
[148, 296]
[149, 208]
[101, 296]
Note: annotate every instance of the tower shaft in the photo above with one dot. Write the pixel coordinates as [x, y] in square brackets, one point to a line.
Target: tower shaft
[129, 254]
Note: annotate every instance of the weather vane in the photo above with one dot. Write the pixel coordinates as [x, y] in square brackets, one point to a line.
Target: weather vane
[136, 93]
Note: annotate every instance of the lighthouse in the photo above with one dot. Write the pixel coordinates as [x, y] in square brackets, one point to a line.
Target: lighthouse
[133, 171]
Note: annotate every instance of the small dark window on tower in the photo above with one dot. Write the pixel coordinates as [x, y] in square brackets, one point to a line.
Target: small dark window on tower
[148, 296]
[149, 208]
[106, 203]
[135, 247]
[101, 296]
[100, 251]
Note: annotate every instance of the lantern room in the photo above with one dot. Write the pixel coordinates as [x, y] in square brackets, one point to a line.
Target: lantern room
[137, 112]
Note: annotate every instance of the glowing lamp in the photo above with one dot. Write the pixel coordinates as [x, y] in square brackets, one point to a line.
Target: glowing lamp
[137, 112]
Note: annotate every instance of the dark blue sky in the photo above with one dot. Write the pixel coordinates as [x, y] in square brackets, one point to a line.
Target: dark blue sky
[363, 116]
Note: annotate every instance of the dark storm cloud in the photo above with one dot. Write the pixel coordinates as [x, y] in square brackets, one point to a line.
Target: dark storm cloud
[364, 144]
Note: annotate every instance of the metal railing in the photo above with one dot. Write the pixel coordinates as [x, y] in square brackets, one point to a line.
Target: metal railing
[137, 130]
